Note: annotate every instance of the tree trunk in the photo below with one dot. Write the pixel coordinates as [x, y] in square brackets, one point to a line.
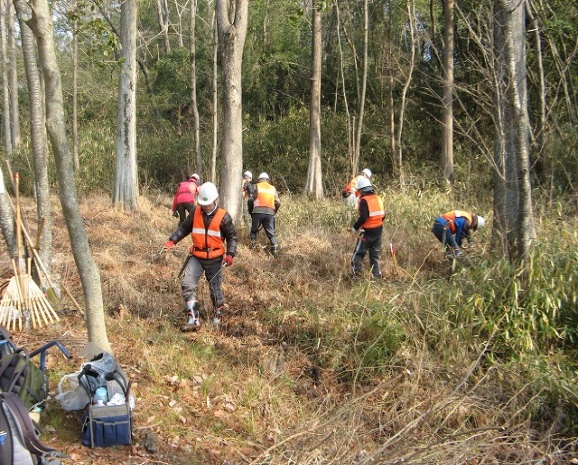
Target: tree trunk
[512, 197]
[126, 177]
[232, 21]
[361, 106]
[5, 90]
[215, 113]
[41, 25]
[195, 108]
[313, 183]
[75, 155]
[447, 155]
[7, 220]
[163, 18]
[37, 134]
[13, 78]
[399, 158]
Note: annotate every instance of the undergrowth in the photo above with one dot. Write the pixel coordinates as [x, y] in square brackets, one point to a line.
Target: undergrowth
[463, 365]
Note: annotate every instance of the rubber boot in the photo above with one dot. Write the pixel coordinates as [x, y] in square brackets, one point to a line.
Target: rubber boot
[193, 315]
[275, 250]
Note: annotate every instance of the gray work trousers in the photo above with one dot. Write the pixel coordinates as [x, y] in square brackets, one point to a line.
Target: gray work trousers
[193, 272]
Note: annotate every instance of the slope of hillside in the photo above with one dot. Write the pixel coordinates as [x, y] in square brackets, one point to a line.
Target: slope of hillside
[307, 366]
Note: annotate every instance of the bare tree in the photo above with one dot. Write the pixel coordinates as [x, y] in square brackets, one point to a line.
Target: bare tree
[40, 23]
[5, 90]
[447, 155]
[126, 176]
[75, 155]
[313, 183]
[37, 134]
[361, 102]
[398, 157]
[232, 21]
[7, 220]
[194, 104]
[13, 78]
[163, 18]
[513, 227]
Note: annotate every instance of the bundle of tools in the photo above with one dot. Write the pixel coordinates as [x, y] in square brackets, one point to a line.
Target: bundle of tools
[23, 301]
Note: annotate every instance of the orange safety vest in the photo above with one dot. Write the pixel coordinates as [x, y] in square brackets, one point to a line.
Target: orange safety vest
[265, 195]
[243, 182]
[376, 211]
[207, 242]
[351, 186]
[450, 218]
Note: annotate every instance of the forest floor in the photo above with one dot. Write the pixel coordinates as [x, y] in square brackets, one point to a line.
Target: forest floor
[282, 380]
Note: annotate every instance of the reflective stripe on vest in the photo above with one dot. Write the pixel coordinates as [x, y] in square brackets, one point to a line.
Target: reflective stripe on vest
[265, 195]
[376, 211]
[450, 218]
[207, 242]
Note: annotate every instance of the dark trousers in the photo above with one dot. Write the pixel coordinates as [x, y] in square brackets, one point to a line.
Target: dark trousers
[439, 231]
[184, 209]
[268, 223]
[368, 242]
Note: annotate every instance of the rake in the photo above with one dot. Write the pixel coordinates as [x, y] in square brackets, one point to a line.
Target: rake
[22, 298]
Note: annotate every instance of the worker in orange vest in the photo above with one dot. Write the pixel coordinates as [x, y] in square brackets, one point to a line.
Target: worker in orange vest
[369, 229]
[350, 193]
[265, 205]
[210, 227]
[453, 227]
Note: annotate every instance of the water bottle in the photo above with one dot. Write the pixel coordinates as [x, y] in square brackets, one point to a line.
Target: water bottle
[100, 396]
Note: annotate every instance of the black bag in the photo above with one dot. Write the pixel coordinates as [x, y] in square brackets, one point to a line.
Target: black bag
[19, 443]
[106, 425]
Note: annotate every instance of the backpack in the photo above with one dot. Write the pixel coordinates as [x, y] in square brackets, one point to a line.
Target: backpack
[23, 378]
[19, 443]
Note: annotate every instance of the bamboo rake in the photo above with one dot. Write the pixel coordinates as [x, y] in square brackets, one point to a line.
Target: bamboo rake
[22, 294]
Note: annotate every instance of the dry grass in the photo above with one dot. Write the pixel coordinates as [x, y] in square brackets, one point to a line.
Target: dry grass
[308, 368]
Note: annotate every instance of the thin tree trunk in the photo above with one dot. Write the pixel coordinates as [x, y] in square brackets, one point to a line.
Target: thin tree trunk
[41, 25]
[361, 108]
[7, 220]
[195, 109]
[13, 73]
[313, 184]
[215, 97]
[447, 155]
[401, 116]
[126, 177]
[75, 155]
[5, 90]
[37, 135]
[163, 18]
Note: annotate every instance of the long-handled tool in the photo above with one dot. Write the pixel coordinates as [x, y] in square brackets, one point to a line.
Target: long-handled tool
[22, 293]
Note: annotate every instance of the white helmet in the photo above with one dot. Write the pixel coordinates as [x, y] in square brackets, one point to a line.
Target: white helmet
[481, 221]
[248, 174]
[195, 176]
[208, 193]
[362, 182]
[366, 172]
[264, 176]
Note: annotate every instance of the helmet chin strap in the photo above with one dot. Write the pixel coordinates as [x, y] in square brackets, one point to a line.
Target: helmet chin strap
[215, 205]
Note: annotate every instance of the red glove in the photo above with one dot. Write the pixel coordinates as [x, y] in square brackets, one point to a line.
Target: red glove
[168, 245]
[228, 260]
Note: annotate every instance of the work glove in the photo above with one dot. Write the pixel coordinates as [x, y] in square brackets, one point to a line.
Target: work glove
[176, 214]
[354, 231]
[168, 245]
[228, 260]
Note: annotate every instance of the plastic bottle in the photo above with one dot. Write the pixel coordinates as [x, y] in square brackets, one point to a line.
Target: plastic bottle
[100, 395]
